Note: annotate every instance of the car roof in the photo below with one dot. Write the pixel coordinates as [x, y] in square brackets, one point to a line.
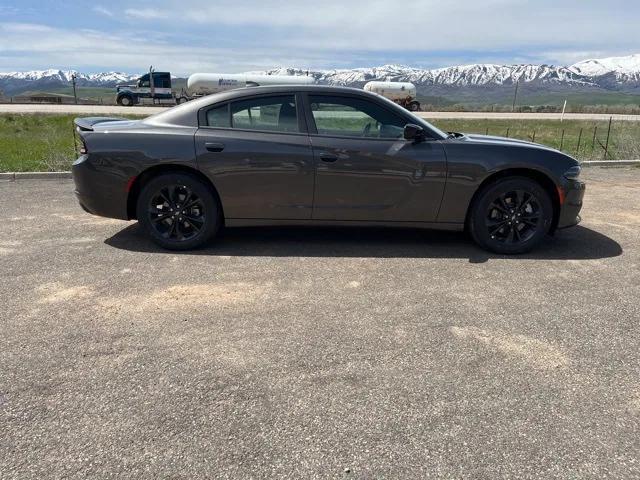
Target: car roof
[186, 114]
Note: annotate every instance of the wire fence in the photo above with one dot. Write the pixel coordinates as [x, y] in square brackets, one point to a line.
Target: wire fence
[584, 140]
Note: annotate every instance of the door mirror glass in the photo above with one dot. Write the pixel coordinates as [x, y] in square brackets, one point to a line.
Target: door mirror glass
[413, 132]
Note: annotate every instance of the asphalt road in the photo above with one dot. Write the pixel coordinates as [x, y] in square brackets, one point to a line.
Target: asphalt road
[317, 353]
[148, 110]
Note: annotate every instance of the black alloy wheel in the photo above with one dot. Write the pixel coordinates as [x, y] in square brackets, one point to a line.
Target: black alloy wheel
[511, 215]
[178, 211]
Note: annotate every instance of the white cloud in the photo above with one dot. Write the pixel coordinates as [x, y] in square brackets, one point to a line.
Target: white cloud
[230, 35]
[423, 25]
[31, 46]
[103, 11]
[145, 13]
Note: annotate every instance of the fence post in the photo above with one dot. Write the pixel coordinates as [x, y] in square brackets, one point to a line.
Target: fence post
[606, 147]
[487, 131]
[579, 140]
[507, 132]
[562, 140]
[75, 140]
[593, 142]
[534, 137]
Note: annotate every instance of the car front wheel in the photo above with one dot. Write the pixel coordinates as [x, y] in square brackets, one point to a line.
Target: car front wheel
[178, 211]
[511, 215]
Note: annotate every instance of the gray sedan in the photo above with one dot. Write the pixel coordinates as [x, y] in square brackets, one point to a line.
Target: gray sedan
[314, 155]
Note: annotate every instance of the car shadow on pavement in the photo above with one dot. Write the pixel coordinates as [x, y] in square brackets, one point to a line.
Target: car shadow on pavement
[578, 243]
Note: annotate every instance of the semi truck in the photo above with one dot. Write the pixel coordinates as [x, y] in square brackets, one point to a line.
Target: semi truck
[155, 87]
[403, 93]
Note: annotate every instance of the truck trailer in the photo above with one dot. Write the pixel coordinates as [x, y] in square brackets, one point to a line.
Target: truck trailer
[155, 87]
[403, 93]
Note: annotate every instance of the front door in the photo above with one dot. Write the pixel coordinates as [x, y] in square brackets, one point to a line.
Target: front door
[258, 156]
[366, 170]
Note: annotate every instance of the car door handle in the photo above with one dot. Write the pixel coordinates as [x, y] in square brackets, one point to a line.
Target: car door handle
[328, 157]
[214, 147]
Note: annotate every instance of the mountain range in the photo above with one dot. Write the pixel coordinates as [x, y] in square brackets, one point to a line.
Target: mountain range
[481, 82]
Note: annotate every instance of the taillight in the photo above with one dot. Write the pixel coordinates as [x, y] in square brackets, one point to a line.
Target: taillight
[83, 147]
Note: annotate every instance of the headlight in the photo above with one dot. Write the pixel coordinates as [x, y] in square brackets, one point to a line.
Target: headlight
[573, 173]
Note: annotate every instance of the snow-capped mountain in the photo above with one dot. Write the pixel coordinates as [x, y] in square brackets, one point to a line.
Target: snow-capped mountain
[586, 74]
[13, 83]
[65, 76]
[619, 74]
[625, 69]
[462, 76]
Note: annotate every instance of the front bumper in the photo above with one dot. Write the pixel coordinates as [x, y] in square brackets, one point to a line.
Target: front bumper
[570, 209]
[100, 191]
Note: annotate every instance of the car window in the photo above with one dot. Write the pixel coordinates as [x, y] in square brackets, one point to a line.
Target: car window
[219, 117]
[354, 117]
[144, 81]
[276, 114]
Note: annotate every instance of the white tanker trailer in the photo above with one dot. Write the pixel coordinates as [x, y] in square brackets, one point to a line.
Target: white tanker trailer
[155, 87]
[200, 84]
[403, 93]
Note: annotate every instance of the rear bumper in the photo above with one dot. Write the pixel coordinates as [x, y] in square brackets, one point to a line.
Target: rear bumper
[570, 209]
[100, 191]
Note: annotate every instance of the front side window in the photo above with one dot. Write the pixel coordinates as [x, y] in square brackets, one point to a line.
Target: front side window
[276, 114]
[354, 117]
[144, 81]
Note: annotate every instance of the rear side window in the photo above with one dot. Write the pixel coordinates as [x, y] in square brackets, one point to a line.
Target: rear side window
[219, 117]
[276, 114]
[354, 117]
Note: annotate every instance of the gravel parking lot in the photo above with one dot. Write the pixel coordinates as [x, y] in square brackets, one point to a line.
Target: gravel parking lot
[317, 353]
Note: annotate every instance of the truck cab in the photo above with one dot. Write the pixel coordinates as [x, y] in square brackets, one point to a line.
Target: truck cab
[151, 88]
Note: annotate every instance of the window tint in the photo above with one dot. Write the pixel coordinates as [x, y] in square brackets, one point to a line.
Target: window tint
[219, 117]
[354, 117]
[267, 113]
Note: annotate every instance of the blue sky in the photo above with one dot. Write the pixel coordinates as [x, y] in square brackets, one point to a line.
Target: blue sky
[185, 36]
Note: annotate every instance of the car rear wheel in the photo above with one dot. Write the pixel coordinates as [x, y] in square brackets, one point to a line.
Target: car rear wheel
[178, 211]
[511, 215]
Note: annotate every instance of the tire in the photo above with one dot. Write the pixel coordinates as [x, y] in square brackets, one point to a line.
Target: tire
[163, 218]
[125, 101]
[511, 215]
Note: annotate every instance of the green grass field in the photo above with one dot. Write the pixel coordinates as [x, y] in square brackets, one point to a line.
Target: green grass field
[46, 142]
[36, 143]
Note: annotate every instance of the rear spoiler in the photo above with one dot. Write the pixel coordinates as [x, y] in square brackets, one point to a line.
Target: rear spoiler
[86, 124]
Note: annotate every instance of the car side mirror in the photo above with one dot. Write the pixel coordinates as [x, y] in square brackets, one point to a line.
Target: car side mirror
[413, 132]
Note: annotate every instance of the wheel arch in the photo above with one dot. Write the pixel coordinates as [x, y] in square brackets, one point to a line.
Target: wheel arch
[536, 175]
[152, 172]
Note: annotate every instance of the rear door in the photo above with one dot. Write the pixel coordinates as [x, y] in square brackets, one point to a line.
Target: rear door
[365, 169]
[257, 153]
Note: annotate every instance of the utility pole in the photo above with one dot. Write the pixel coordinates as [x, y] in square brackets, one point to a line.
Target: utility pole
[75, 94]
[515, 96]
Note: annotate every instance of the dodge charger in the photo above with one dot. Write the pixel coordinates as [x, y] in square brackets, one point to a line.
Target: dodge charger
[317, 155]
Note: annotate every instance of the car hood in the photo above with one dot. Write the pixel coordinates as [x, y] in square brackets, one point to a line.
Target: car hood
[493, 140]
